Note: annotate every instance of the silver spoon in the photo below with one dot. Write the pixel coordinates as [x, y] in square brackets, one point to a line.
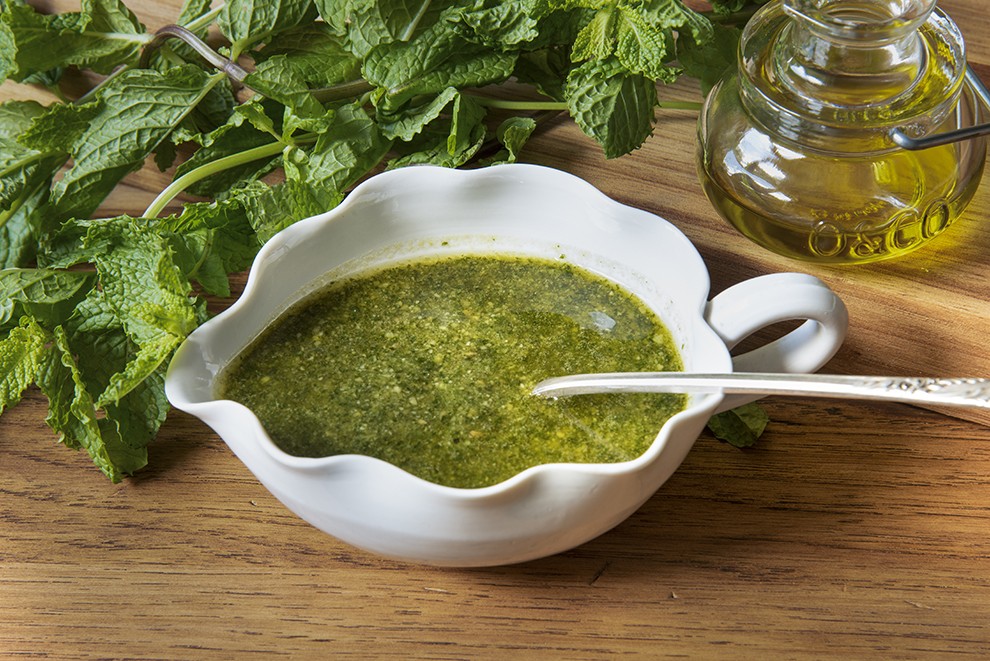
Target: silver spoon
[948, 392]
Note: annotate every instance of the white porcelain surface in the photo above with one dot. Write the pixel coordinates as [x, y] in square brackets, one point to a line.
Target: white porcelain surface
[520, 209]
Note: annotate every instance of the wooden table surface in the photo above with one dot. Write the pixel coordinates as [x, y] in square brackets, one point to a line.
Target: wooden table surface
[853, 530]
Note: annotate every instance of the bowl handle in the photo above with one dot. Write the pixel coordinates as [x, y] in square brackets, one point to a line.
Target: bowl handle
[745, 308]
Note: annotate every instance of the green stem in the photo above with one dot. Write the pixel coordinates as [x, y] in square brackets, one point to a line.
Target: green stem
[242, 46]
[561, 105]
[172, 56]
[682, 105]
[195, 175]
[342, 91]
[504, 104]
[207, 169]
[210, 236]
[103, 83]
[407, 34]
[237, 48]
[203, 20]
[139, 38]
[21, 164]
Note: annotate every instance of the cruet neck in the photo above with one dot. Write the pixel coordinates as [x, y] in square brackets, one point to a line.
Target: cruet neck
[842, 74]
[861, 21]
[853, 52]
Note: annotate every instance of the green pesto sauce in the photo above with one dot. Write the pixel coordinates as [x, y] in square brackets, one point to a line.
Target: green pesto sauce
[428, 365]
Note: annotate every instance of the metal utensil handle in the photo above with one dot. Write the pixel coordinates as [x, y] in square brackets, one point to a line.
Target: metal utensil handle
[950, 392]
[907, 142]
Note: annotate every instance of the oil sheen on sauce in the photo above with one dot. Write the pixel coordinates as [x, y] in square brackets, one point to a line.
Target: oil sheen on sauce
[428, 365]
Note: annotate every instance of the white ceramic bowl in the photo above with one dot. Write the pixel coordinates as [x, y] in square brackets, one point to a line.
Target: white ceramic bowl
[519, 209]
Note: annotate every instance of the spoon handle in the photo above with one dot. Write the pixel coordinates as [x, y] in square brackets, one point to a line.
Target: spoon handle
[949, 392]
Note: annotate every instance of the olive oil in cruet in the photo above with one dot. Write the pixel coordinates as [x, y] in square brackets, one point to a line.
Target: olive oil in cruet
[800, 148]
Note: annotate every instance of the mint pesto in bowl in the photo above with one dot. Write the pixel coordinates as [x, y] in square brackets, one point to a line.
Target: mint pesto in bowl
[429, 365]
[471, 221]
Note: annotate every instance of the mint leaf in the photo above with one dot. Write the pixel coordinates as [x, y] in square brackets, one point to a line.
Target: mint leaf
[137, 416]
[21, 168]
[211, 240]
[151, 356]
[369, 23]
[194, 254]
[277, 78]
[513, 134]
[191, 10]
[123, 335]
[449, 142]
[597, 39]
[259, 114]
[140, 280]
[432, 148]
[270, 209]
[137, 110]
[234, 240]
[239, 134]
[293, 123]
[467, 130]
[16, 116]
[411, 121]
[638, 35]
[108, 35]
[560, 27]
[25, 177]
[337, 15]
[675, 15]
[62, 248]
[73, 414]
[314, 53]
[342, 155]
[212, 111]
[48, 295]
[741, 426]
[58, 127]
[545, 69]
[642, 47]
[21, 354]
[103, 350]
[8, 48]
[611, 105]
[247, 21]
[730, 6]
[710, 60]
[97, 335]
[503, 25]
[435, 60]
[101, 36]
[21, 226]
[429, 147]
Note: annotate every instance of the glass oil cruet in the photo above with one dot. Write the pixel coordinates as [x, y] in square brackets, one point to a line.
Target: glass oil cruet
[850, 131]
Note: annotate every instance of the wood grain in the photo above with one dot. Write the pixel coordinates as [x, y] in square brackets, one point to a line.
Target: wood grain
[852, 531]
